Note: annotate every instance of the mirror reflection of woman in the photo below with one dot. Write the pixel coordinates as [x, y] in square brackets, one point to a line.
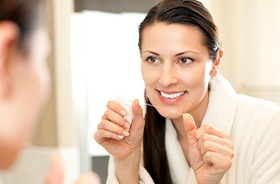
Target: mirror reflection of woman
[24, 83]
[215, 136]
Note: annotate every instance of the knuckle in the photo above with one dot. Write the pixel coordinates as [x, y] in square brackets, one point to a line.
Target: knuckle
[101, 132]
[228, 143]
[232, 154]
[207, 156]
[105, 125]
[204, 137]
[101, 125]
[109, 103]
[206, 145]
[120, 130]
[228, 164]
[226, 136]
[98, 136]
[207, 127]
[95, 136]
[106, 113]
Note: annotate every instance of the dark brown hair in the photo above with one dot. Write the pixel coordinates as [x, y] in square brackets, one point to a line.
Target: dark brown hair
[25, 13]
[185, 12]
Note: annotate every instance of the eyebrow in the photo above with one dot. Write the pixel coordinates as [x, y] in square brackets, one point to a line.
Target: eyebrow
[151, 52]
[178, 54]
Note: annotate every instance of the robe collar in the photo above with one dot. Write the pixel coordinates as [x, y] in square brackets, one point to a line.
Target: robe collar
[220, 114]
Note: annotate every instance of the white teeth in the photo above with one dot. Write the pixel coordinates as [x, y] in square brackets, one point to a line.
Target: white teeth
[171, 96]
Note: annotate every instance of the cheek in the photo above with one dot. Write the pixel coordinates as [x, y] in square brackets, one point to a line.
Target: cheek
[38, 91]
[145, 75]
[150, 80]
[198, 78]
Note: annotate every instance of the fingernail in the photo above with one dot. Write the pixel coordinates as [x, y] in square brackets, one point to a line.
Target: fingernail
[127, 126]
[187, 114]
[121, 137]
[123, 112]
[125, 133]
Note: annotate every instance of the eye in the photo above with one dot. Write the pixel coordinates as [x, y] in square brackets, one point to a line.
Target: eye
[152, 59]
[185, 60]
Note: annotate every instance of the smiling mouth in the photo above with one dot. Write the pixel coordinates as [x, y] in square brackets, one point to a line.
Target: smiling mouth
[172, 95]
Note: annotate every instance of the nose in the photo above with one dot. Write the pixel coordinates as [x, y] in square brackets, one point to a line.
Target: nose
[168, 75]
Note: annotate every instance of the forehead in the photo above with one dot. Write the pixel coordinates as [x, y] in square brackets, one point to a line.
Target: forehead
[176, 36]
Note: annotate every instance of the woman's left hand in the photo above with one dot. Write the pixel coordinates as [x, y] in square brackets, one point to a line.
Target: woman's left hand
[210, 151]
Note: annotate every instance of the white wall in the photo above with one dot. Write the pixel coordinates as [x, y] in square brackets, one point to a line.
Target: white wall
[106, 65]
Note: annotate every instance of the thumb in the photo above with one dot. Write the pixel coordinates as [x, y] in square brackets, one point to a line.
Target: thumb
[137, 117]
[190, 128]
[137, 109]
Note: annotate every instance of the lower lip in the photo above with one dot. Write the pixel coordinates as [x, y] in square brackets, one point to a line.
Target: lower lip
[171, 101]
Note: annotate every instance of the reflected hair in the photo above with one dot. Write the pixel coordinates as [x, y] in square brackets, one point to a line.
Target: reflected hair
[184, 12]
[24, 13]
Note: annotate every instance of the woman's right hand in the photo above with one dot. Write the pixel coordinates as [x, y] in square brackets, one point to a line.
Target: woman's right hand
[116, 135]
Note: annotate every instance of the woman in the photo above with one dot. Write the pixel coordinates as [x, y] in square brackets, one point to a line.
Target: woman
[24, 81]
[196, 129]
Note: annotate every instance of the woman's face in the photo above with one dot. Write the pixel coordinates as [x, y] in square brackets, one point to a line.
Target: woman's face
[176, 68]
[27, 93]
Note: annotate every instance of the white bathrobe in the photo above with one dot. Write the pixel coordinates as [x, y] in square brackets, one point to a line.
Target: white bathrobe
[254, 128]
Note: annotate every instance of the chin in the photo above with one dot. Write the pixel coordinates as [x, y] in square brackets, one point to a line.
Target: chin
[170, 114]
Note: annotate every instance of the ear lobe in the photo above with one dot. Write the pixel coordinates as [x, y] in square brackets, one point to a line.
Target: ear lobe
[9, 34]
[216, 63]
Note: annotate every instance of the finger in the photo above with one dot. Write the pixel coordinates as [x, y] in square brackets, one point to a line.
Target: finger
[216, 148]
[88, 178]
[190, 128]
[212, 138]
[116, 118]
[112, 127]
[117, 108]
[56, 173]
[101, 135]
[207, 128]
[219, 162]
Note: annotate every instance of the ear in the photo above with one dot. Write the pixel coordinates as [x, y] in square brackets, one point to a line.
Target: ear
[9, 35]
[216, 63]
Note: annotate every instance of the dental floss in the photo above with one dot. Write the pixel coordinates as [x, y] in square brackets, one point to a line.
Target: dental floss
[127, 103]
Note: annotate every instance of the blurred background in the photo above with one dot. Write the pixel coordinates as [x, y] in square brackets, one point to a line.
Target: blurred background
[95, 58]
